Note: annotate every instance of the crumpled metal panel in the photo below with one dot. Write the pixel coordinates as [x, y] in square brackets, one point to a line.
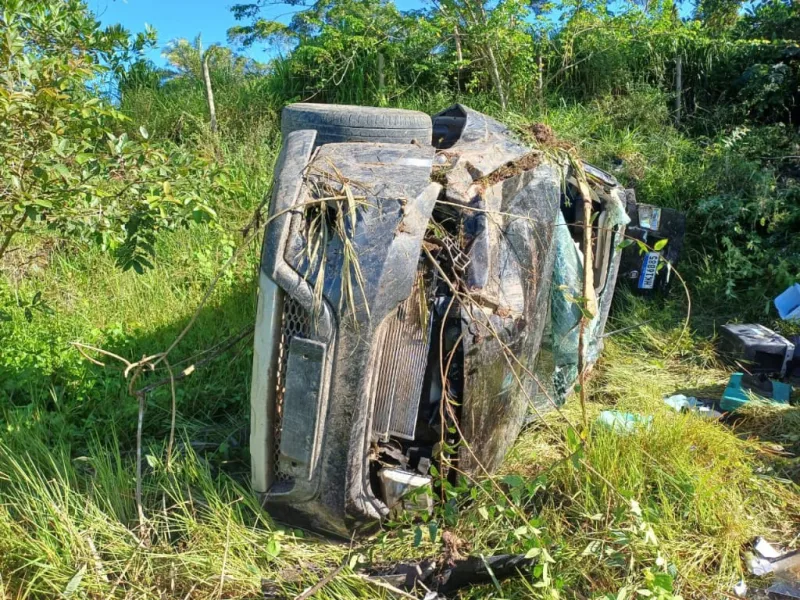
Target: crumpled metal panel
[503, 324]
[389, 182]
[482, 144]
[395, 197]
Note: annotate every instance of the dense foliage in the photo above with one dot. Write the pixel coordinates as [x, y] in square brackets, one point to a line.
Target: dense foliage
[66, 163]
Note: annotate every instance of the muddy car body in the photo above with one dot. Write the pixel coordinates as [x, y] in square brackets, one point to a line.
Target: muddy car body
[407, 283]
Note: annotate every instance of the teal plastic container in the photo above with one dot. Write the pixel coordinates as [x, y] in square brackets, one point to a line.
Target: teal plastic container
[735, 395]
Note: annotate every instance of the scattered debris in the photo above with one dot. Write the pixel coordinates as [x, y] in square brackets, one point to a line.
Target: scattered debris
[703, 408]
[621, 422]
[788, 303]
[405, 576]
[765, 559]
[783, 589]
[450, 577]
[742, 388]
[679, 402]
[400, 490]
[476, 570]
[755, 348]
[740, 589]
[765, 549]
[787, 566]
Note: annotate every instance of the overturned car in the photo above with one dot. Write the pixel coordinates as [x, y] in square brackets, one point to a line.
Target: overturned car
[417, 301]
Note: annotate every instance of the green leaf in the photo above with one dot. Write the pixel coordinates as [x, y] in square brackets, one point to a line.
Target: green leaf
[533, 553]
[624, 244]
[44, 203]
[513, 481]
[433, 529]
[663, 581]
[62, 170]
[273, 547]
[75, 582]
[417, 536]
[659, 245]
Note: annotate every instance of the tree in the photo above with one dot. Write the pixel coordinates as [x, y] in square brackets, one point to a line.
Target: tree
[64, 163]
[186, 59]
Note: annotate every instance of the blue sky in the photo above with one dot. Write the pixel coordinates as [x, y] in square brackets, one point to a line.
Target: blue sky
[185, 18]
[173, 19]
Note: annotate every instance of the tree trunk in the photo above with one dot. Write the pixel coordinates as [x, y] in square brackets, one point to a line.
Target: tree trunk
[459, 55]
[495, 72]
[12, 230]
[212, 109]
[540, 76]
[678, 87]
[381, 76]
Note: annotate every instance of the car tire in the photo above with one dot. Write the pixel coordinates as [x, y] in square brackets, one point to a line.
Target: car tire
[337, 123]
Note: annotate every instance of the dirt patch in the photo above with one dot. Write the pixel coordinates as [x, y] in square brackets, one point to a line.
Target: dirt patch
[512, 169]
[453, 547]
[21, 262]
[543, 133]
[545, 137]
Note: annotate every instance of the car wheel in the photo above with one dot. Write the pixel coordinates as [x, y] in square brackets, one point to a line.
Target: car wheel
[337, 123]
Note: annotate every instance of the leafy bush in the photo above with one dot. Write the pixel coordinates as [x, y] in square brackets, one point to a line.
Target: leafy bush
[65, 164]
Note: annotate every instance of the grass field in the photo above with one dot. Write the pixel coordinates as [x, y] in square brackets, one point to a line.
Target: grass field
[666, 510]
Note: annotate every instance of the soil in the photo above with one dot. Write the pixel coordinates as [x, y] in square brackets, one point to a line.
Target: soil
[543, 133]
[509, 170]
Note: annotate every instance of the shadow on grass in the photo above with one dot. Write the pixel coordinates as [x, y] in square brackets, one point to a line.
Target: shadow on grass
[68, 399]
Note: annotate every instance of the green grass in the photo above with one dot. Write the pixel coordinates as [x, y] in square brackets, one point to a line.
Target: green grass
[704, 493]
[68, 522]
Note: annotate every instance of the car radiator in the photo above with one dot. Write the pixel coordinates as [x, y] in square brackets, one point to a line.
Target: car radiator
[401, 366]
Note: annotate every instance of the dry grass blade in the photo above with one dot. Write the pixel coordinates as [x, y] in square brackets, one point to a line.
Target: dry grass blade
[336, 218]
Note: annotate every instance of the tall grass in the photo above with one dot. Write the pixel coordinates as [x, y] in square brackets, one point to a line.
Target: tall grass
[67, 525]
[68, 520]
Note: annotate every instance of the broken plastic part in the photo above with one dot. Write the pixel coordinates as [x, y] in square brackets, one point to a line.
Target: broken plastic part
[397, 486]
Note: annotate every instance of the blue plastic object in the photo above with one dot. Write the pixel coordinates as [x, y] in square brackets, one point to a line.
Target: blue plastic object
[788, 303]
[735, 395]
[621, 422]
